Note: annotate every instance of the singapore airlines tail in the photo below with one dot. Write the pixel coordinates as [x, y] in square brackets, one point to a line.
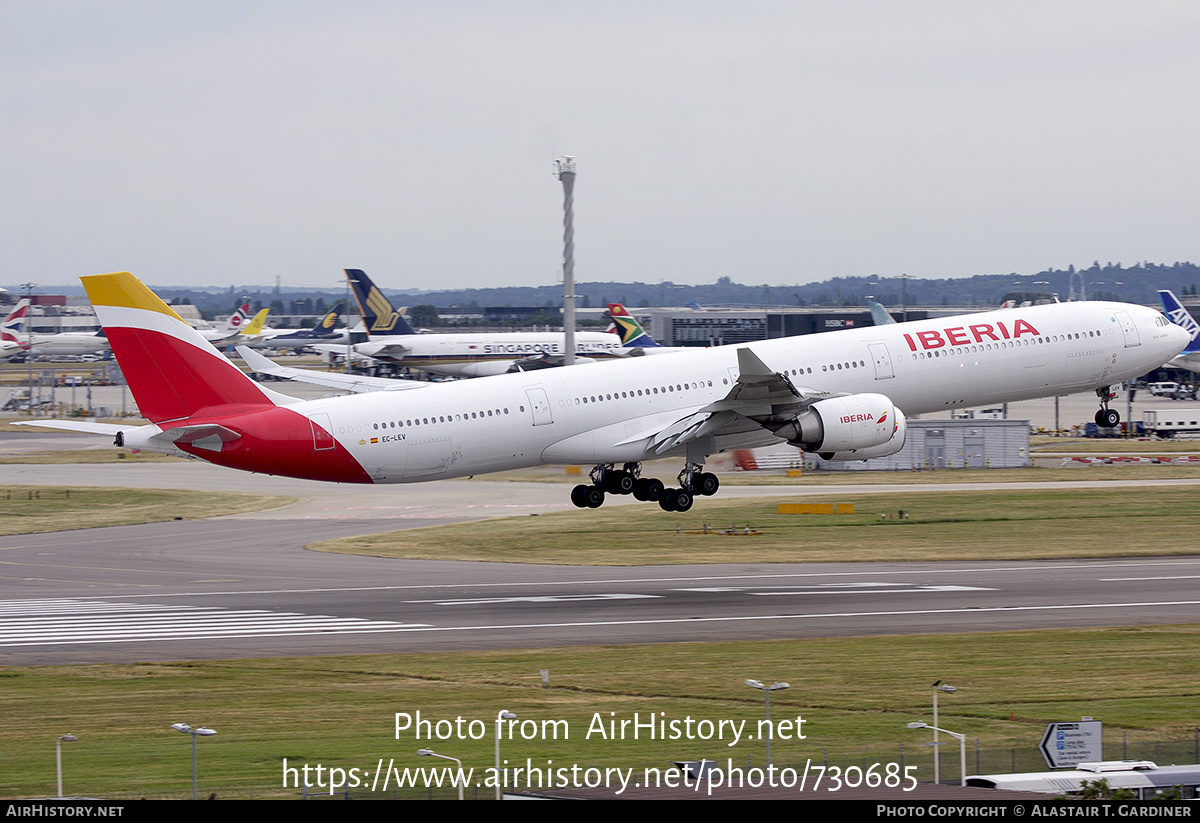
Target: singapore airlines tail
[379, 315]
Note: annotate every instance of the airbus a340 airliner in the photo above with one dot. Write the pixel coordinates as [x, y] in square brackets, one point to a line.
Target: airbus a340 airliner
[843, 395]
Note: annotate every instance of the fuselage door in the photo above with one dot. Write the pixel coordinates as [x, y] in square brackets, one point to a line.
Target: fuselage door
[883, 360]
[1128, 328]
[539, 405]
[322, 431]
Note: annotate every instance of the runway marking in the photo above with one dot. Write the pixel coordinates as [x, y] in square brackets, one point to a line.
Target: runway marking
[617, 581]
[546, 598]
[75, 622]
[843, 588]
[813, 616]
[909, 590]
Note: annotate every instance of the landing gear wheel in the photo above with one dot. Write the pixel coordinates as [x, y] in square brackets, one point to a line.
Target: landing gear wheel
[707, 484]
[579, 495]
[616, 482]
[1108, 418]
[683, 500]
[649, 489]
[595, 497]
[667, 501]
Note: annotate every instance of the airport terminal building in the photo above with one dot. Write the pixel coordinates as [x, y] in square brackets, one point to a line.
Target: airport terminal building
[726, 327]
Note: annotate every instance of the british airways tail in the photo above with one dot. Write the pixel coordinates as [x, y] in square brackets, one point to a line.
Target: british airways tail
[631, 331]
[379, 315]
[14, 325]
[1181, 317]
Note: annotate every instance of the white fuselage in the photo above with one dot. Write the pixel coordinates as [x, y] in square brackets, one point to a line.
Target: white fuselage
[480, 355]
[1188, 360]
[66, 344]
[288, 339]
[609, 412]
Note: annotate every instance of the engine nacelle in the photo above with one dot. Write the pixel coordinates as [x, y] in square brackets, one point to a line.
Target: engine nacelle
[857, 427]
[893, 445]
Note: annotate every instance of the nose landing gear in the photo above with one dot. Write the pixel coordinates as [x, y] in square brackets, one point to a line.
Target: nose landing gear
[1107, 418]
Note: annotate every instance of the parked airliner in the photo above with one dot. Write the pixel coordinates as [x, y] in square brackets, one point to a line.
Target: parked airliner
[467, 354]
[1189, 358]
[843, 395]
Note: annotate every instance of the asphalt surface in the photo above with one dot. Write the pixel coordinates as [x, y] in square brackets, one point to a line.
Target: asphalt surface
[244, 586]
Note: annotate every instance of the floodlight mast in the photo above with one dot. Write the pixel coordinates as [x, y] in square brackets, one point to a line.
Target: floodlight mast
[564, 170]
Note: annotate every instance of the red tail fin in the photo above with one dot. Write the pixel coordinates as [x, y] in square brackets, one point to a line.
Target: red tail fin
[173, 372]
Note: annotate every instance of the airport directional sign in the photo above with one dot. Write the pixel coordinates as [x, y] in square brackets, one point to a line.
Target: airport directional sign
[1069, 744]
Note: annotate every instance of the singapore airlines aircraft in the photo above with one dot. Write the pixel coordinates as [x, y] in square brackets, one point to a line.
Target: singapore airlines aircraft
[469, 354]
[843, 395]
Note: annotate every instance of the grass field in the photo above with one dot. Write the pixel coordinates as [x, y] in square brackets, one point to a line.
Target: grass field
[855, 696]
[1013, 525]
[30, 509]
[89, 456]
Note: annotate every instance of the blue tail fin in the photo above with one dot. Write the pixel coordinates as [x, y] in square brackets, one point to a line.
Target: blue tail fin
[378, 313]
[1181, 317]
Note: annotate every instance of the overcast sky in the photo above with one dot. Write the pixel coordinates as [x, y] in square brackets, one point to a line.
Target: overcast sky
[215, 142]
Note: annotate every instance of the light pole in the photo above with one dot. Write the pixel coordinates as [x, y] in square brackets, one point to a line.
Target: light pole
[184, 728]
[564, 170]
[766, 690]
[503, 715]
[962, 747]
[66, 738]
[432, 753]
[938, 686]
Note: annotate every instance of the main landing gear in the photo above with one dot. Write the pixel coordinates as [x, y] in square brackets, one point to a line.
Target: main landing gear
[606, 479]
[1107, 418]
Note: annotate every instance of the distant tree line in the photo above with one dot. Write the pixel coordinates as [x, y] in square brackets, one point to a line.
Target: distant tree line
[1137, 283]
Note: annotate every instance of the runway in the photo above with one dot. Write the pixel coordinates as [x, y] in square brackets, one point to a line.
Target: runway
[243, 586]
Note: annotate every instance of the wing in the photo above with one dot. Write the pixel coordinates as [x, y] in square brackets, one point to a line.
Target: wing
[759, 398]
[346, 382]
[545, 361]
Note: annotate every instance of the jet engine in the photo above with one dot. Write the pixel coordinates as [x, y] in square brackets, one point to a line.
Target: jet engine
[857, 427]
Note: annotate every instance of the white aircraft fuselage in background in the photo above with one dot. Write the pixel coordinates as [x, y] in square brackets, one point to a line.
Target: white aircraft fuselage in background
[472, 354]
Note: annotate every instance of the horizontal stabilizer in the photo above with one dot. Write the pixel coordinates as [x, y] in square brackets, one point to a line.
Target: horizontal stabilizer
[81, 426]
